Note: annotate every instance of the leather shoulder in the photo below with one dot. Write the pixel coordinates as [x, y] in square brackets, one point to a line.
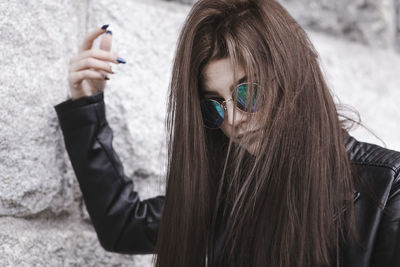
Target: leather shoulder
[370, 154]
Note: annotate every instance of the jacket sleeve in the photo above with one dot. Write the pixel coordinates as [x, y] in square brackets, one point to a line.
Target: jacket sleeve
[386, 251]
[123, 222]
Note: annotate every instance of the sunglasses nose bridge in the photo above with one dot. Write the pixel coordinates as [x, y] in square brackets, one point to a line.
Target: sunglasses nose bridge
[239, 116]
[224, 106]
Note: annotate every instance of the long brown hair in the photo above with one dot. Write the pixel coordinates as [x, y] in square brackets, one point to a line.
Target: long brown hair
[282, 205]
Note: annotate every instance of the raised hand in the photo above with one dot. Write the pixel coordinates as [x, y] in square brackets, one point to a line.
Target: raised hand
[87, 72]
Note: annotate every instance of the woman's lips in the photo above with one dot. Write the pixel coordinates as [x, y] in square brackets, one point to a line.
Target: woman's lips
[254, 135]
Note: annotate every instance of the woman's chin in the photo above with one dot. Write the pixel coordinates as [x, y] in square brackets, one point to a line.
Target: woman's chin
[251, 147]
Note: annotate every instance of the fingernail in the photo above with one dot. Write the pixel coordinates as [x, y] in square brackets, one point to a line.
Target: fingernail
[121, 60]
[104, 26]
[109, 32]
[106, 78]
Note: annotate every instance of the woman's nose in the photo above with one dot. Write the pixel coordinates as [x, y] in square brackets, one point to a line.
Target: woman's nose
[231, 110]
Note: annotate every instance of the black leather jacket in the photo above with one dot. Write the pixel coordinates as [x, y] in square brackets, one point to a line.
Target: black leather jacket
[126, 224]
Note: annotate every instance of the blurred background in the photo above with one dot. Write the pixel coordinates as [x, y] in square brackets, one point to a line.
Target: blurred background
[43, 220]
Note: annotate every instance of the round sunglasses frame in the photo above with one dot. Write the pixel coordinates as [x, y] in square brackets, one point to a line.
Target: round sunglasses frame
[224, 108]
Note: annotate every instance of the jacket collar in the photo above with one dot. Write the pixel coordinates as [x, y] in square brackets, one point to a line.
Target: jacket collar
[348, 142]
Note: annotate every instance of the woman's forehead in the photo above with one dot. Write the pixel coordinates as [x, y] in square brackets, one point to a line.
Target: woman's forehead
[220, 73]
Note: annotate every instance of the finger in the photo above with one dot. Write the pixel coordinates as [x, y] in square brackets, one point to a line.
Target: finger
[91, 62]
[88, 41]
[106, 40]
[99, 54]
[78, 77]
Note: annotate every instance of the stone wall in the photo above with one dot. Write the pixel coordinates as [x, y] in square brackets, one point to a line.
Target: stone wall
[366, 21]
[43, 220]
[398, 24]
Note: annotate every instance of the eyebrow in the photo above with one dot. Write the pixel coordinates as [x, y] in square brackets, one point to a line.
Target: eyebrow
[210, 92]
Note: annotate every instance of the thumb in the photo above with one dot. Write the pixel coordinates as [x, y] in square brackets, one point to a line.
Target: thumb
[106, 40]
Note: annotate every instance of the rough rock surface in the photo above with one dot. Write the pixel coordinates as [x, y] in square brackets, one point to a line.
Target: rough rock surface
[57, 243]
[366, 79]
[367, 21]
[398, 24]
[34, 52]
[43, 220]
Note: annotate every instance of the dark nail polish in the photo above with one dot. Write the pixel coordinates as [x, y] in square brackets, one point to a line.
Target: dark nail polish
[121, 60]
[109, 32]
[106, 78]
[105, 26]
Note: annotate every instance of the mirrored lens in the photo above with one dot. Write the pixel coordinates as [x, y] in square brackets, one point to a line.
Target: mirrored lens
[213, 114]
[249, 98]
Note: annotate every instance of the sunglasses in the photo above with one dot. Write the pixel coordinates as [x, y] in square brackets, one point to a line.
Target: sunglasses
[248, 98]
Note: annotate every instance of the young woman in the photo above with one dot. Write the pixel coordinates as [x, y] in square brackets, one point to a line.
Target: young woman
[261, 168]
